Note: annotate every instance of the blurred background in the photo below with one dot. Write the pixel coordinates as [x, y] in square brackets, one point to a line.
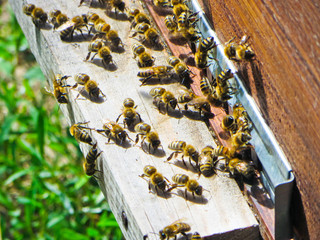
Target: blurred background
[44, 192]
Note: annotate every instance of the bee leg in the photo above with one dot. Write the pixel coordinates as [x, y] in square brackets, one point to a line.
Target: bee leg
[102, 93]
[118, 117]
[170, 157]
[93, 56]
[140, 120]
[186, 193]
[167, 108]
[88, 56]
[184, 163]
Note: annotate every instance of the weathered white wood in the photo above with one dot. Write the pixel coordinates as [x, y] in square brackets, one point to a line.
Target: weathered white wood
[221, 214]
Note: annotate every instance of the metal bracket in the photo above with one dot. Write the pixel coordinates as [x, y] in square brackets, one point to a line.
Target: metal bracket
[276, 174]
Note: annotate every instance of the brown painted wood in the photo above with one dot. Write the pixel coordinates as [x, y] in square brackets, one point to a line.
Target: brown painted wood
[284, 81]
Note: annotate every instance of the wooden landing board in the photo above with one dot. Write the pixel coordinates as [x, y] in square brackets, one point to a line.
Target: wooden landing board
[222, 212]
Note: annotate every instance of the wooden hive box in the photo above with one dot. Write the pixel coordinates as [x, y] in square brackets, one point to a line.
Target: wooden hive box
[221, 213]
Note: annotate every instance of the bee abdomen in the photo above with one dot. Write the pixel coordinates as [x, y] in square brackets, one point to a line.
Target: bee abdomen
[180, 178]
[177, 145]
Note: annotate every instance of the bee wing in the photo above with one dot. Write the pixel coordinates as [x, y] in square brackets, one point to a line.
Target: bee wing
[180, 220]
[65, 26]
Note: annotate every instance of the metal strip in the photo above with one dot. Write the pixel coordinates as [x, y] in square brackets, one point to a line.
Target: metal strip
[276, 175]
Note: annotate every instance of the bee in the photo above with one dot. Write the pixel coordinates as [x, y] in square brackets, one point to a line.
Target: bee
[240, 140]
[179, 8]
[190, 34]
[171, 23]
[139, 18]
[100, 26]
[157, 92]
[180, 69]
[77, 130]
[167, 98]
[205, 86]
[242, 118]
[28, 8]
[223, 92]
[152, 137]
[38, 15]
[114, 40]
[59, 90]
[208, 161]
[115, 131]
[206, 44]
[102, 2]
[129, 112]
[223, 77]
[131, 13]
[91, 87]
[105, 54]
[229, 124]
[243, 168]
[156, 179]
[118, 5]
[57, 18]
[140, 28]
[144, 58]
[230, 48]
[94, 47]
[186, 97]
[243, 50]
[151, 36]
[201, 59]
[187, 150]
[81, 78]
[191, 185]
[93, 154]
[239, 52]
[161, 3]
[174, 229]
[89, 168]
[196, 236]
[76, 23]
[186, 20]
[154, 72]
[200, 103]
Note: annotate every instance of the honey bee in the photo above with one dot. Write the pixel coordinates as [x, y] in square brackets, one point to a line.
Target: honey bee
[205, 86]
[161, 3]
[186, 20]
[129, 113]
[171, 23]
[239, 52]
[190, 34]
[223, 92]
[191, 185]
[114, 131]
[181, 70]
[28, 8]
[154, 72]
[151, 137]
[186, 97]
[105, 54]
[157, 92]
[139, 18]
[93, 154]
[38, 15]
[77, 130]
[240, 140]
[200, 103]
[100, 26]
[118, 5]
[156, 179]
[223, 77]
[89, 168]
[92, 89]
[167, 98]
[206, 44]
[94, 47]
[144, 58]
[114, 40]
[174, 229]
[57, 18]
[229, 124]
[131, 13]
[242, 118]
[187, 150]
[151, 37]
[243, 168]
[201, 59]
[179, 8]
[81, 78]
[76, 23]
[196, 236]
[208, 161]
[59, 90]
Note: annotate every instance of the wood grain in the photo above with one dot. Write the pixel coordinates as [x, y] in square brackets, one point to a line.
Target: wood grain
[284, 81]
[221, 213]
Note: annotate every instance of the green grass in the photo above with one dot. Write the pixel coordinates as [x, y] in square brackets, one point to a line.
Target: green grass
[44, 192]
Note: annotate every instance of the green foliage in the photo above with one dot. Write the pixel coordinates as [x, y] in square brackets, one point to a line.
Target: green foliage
[44, 192]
